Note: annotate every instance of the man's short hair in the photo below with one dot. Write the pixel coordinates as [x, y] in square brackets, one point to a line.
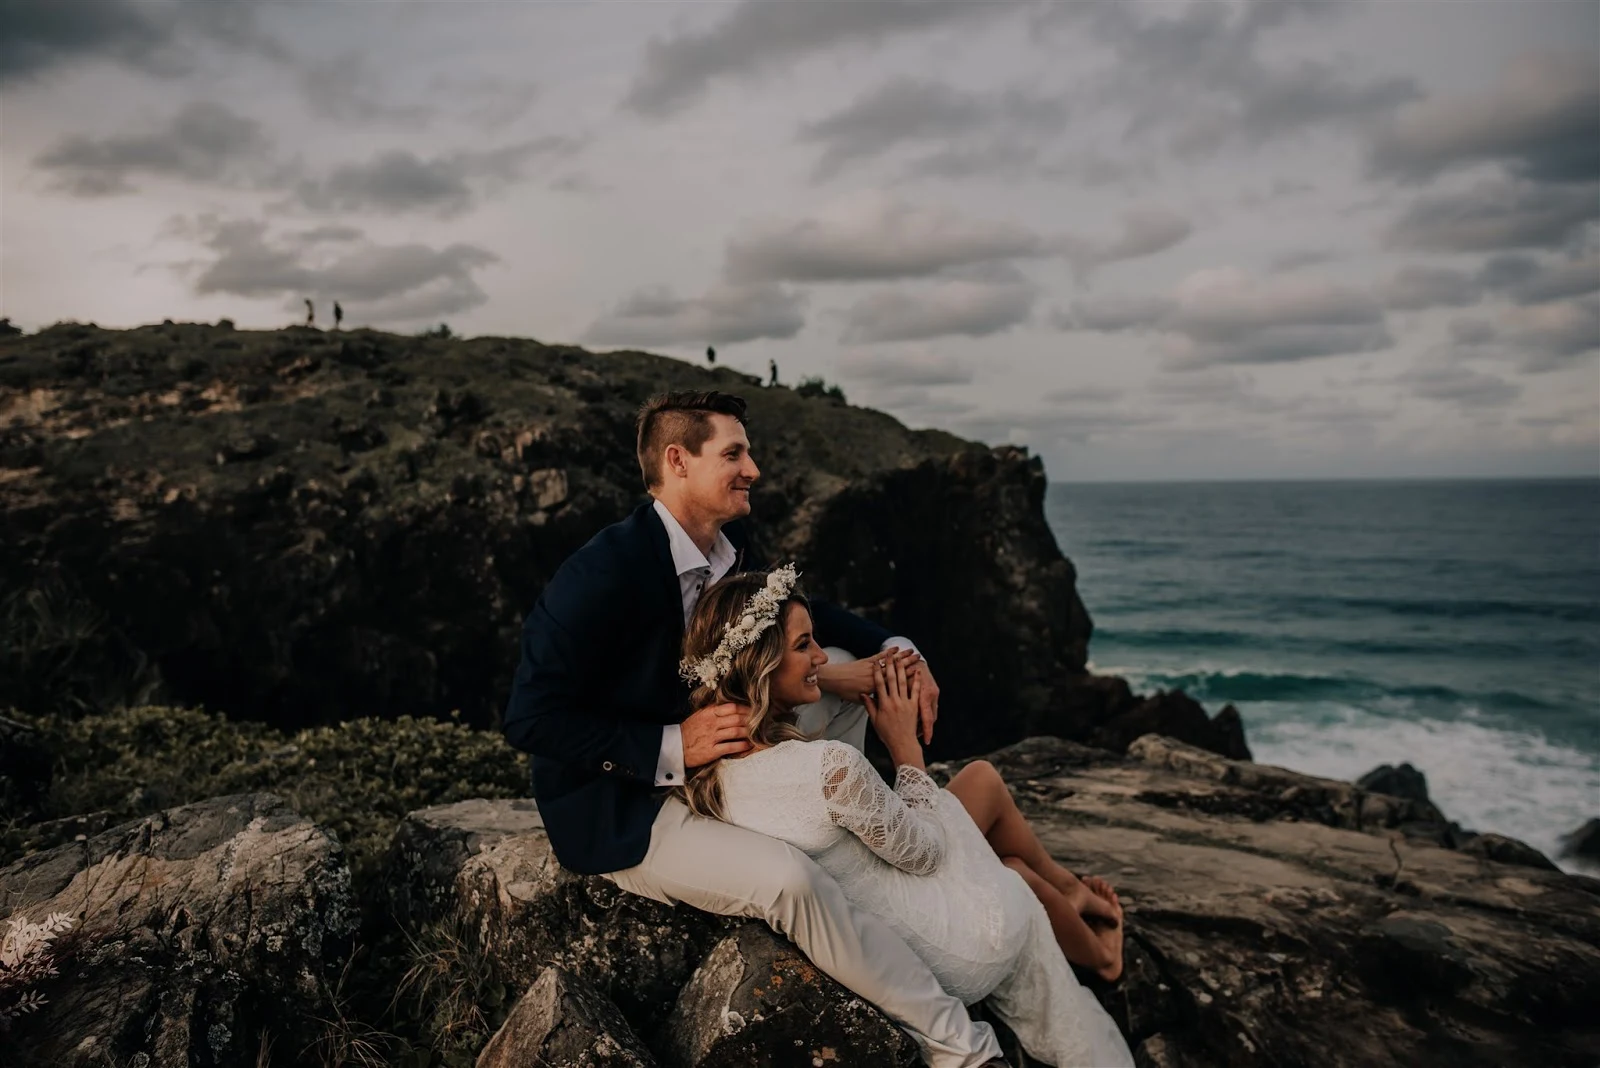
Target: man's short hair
[681, 418]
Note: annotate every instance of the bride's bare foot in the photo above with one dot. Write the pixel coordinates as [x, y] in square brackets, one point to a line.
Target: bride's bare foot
[1100, 901]
[1111, 938]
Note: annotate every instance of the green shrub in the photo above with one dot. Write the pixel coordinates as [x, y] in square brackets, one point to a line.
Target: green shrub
[817, 386]
[358, 778]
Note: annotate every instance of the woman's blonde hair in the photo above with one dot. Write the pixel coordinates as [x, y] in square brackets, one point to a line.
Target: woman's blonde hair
[748, 682]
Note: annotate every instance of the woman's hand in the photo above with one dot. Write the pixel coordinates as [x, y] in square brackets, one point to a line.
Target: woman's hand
[893, 707]
[851, 678]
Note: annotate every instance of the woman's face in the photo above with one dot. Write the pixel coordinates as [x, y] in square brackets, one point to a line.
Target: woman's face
[795, 680]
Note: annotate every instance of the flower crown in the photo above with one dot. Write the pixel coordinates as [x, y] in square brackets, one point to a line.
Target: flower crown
[760, 613]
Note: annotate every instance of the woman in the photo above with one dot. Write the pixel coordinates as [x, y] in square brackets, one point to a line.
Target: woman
[912, 855]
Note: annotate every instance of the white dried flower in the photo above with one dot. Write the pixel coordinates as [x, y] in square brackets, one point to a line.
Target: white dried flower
[759, 614]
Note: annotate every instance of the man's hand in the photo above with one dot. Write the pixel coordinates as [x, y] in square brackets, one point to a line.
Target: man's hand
[715, 731]
[850, 681]
[927, 701]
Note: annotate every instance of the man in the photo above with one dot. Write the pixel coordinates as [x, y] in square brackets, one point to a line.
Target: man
[598, 702]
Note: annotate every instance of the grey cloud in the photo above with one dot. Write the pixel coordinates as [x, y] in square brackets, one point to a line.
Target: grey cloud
[759, 35]
[1294, 259]
[1230, 317]
[1496, 215]
[1460, 386]
[41, 35]
[343, 88]
[1552, 336]
[1113, 314]
[1222, 390]
[205, 142]
[1194, 71]
[881, 239]
[1009, 154]
[912, 110]
[1077, 425]
[1286, 343]
[378, 282]
[1527, 280]
[1472, 331]
[724, 315]
[915, 405]
[1145, 232]
[1083, 396]
[1414, 287]
[904, 370]
[400, 181]
[1542, 120]
[950, 307]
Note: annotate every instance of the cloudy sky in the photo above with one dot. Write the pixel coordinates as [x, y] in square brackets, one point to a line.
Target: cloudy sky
[1150, 240]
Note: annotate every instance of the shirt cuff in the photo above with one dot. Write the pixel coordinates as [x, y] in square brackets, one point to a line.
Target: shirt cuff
[901, 642]
[669, 768]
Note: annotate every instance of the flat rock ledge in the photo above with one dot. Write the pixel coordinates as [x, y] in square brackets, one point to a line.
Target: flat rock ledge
[1273, 919]
[202, 935]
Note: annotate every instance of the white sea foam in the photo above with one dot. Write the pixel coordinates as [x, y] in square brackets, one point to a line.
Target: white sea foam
[1482, 775]
[1515, 783]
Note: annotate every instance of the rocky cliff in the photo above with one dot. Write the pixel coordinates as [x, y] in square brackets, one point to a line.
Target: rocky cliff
[304, 527]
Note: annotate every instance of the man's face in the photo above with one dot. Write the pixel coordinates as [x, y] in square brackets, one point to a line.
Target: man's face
[718, 482]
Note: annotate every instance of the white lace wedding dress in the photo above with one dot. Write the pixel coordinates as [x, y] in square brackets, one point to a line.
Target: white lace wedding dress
[913, 857]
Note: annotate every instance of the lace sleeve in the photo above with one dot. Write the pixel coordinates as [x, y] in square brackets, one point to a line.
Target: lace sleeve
[898, 825]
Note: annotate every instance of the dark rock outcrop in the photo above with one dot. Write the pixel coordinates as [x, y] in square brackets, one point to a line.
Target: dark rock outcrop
[301, 527]
[1175, 715]
[1402, 781]
[25, 768]
[563, 1021]
[1583, 844]
[202, 933]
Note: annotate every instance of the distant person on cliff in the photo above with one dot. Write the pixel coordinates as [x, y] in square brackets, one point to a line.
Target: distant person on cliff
[599, 702]
[711, 355]
[311, 313]
[926, 861]
[772, 366]
[338, 315]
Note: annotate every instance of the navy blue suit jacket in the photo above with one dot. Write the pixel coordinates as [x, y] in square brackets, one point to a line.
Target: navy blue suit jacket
[599, 679]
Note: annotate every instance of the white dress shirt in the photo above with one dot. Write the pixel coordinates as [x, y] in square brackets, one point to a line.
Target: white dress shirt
[695, 573]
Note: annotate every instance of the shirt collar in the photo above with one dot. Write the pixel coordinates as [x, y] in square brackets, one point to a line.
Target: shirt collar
[686, 555]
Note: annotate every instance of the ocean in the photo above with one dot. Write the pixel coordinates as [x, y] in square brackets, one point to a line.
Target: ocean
[1452, 624]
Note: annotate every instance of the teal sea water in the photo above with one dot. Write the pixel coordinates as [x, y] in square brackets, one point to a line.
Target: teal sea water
[1452, 624]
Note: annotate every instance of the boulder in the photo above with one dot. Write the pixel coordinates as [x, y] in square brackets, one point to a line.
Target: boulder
[1583, 844]
[1506, 850]
[563, 1021]
[200, 935]
[755, 999]
[1173, 714]
[485, 869]
[1277, 918]
[1402, 781]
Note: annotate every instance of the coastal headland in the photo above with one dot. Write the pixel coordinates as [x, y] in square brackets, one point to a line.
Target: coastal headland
[261, 597]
